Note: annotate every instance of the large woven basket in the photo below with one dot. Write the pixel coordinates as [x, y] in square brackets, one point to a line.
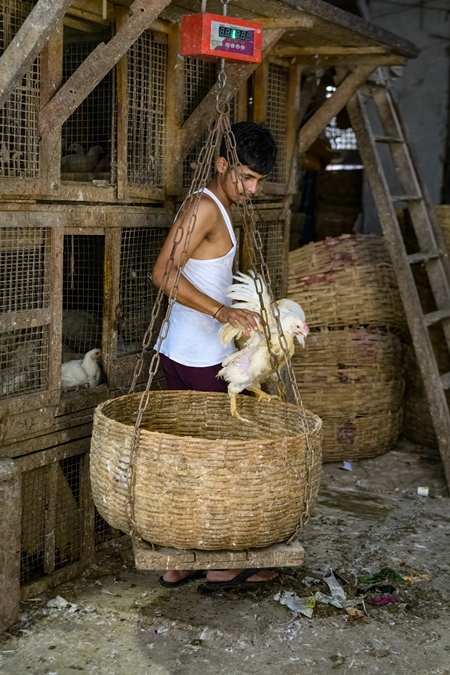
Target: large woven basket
[353, 380]
[202, 479]
[346, 281]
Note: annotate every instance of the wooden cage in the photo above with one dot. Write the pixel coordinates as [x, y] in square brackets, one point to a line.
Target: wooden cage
[99, 136]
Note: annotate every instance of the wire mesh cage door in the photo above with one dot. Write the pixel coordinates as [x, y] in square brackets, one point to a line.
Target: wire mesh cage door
[89, 134]
[83, 290]
[146, 115]
[57, 517]
[19, 138]
[25, 312]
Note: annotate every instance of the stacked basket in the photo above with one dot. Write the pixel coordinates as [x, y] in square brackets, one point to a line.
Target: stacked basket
[350, 372]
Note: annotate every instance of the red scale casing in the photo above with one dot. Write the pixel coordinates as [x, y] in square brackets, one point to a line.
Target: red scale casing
[213, 36]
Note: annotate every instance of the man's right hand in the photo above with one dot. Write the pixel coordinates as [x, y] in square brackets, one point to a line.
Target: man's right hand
[240, 318]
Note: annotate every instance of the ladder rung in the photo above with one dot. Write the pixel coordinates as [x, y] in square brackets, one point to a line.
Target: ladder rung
[423, 257]
[445, 380]
[439, 315]
[406, 198]
[387, 139]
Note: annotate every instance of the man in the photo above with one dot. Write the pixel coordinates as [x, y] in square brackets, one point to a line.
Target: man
[191, 354]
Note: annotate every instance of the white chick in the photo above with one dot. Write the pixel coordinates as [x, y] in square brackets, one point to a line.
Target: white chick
[82, 163]
[81, 372]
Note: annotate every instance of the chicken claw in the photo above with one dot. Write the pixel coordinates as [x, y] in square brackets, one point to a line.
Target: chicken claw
[233, 410]
[262, 396]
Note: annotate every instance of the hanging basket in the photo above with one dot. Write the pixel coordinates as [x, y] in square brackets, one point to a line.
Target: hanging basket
[201, 478]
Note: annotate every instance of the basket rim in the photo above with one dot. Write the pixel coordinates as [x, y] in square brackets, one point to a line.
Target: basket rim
[317, 421]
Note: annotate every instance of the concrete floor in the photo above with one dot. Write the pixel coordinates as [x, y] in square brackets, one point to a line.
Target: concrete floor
[120, 622]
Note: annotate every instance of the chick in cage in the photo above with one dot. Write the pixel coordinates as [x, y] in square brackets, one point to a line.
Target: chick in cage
[81, 162]
[83, 372]
[20, 365]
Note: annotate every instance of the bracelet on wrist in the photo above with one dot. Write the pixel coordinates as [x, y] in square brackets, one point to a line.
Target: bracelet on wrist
[217, 311]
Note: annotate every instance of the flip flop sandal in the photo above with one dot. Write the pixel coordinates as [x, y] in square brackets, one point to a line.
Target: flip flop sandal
[239, 581]
[196, 574]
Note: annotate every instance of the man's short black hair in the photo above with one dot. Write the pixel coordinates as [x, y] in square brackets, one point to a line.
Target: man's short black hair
[255, 147]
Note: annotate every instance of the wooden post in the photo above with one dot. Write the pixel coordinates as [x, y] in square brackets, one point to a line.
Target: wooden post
[10, 530]
[237, 73]
[310, 131]
[98, 64]
[28, 42]
[174, 112]
[260, 92]
[121, 16]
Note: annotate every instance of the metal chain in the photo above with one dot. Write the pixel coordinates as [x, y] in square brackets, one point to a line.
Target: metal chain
[186, 226]
[255, 251]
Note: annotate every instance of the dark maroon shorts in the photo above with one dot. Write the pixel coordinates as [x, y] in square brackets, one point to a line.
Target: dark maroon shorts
[190, 377]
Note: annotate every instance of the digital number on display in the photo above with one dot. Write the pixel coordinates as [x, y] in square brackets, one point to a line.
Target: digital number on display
[235, 33]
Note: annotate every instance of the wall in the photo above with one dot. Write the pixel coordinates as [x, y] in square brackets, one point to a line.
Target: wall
[423, 89]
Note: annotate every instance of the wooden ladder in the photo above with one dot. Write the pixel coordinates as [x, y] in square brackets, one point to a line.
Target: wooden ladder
[377, 122]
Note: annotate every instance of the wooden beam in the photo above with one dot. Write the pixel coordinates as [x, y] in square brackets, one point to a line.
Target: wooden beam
[310, 131]
[236, 73]
[28, 42]
[98, 64]
[350, 60]
[328, 50]
[287, 23]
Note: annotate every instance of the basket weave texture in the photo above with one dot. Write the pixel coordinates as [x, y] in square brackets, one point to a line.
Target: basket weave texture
[353, 380]
[203, 479]
[346, 281]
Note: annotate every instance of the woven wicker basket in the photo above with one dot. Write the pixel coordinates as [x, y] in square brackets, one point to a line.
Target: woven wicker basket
[360, 437]
[353, 380]
[346, 281]
[203, 479]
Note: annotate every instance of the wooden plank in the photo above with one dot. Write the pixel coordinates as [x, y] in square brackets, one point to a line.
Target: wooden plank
[51, 59]
[121, 16]
[28, 42]
[198, 122]
[52, 580]
[111, 297]
[98, 64]
[260, 92]
[303, 21]
[341, 19]
[87, 510]
[34, 447]
[27, 318]
[162, 558]
[329, 50]
[350, 60]
[52, 455]
[56, 286]
[317, 123]
[10, 534]
[51, 489]
[174, 115]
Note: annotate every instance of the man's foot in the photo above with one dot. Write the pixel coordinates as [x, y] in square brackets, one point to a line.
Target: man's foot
[222, 580]
[173, 578]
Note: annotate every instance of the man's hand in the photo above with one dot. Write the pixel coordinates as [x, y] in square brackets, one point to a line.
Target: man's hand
[239, 318]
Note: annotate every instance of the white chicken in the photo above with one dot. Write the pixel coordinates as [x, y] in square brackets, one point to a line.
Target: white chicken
[251, 365]
[82, 372]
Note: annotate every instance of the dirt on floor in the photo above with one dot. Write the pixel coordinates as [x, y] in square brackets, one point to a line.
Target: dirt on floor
[367, 521]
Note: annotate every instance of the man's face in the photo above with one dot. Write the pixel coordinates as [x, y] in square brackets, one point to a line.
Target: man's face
[241, 182]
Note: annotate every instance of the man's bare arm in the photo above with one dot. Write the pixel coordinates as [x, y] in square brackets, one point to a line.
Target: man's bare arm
[187, 294]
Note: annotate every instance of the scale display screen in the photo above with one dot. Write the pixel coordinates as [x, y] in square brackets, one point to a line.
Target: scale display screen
[235, 33]
[232, 39]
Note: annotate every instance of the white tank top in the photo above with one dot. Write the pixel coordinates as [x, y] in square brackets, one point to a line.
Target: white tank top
[193, 337]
